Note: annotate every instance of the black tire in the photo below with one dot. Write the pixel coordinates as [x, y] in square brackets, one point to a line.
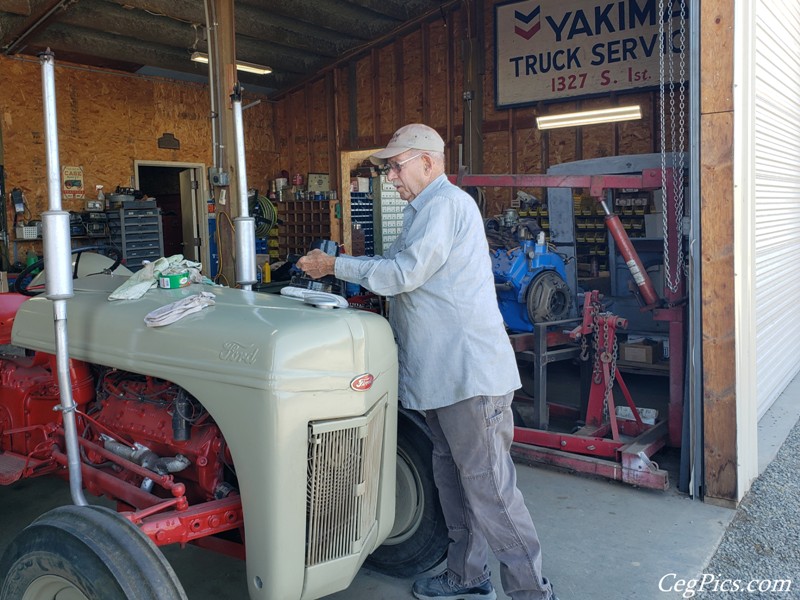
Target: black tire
[549, 298]
[86, 552]
[419, 539]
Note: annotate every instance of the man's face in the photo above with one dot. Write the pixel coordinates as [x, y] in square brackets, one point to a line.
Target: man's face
[407, 172]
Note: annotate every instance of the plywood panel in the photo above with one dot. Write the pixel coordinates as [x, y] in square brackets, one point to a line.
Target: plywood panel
[412, 77]
[457, 24]
[438, 76]
[318, 128]
[489, 111]
[342, 100]
[496, 160]
[261, 144]
[528, 143]
[596, 140]
[281, 119]
[561, 145]
[387, 77]
[364, 98]
[297, 117]
[637, 137]
[104, 123]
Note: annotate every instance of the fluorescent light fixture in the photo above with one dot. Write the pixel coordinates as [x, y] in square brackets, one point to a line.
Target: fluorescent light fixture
[241, 65]
[590, 117]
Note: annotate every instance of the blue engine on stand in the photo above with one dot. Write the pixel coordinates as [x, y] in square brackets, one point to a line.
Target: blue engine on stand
[529, 278]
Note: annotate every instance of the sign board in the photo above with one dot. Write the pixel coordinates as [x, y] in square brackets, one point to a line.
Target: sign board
[548, 50]
[72, 182]
[318, 182]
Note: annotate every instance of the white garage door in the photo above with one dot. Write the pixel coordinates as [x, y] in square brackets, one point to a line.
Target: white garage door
[777, 207]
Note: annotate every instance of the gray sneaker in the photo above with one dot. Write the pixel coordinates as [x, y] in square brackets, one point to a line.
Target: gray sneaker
[441, 587]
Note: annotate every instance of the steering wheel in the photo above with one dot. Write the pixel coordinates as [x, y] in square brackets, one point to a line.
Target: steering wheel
[21, 283]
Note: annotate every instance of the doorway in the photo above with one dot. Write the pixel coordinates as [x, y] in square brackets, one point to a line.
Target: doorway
[179, 191]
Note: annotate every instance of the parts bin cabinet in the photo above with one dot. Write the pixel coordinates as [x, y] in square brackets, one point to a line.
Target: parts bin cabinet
[137, 233]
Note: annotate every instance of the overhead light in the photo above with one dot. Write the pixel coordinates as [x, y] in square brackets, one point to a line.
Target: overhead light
[241, 65]
[590, 117]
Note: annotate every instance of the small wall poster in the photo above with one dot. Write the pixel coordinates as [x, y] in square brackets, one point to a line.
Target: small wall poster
[72, 182]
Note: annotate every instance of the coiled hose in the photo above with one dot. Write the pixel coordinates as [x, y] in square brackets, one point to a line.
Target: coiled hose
[265, 215]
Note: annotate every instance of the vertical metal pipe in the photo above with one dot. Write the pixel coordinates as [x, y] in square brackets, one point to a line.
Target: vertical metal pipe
[56, 248]
[245, 224]
[697, 482]
[211, 30]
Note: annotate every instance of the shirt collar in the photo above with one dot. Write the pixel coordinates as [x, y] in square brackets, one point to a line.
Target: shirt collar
[429, 192]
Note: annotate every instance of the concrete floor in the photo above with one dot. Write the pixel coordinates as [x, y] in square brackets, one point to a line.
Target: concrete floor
[600, 539]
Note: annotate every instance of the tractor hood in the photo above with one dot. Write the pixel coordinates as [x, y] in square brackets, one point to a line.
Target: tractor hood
[247, 338]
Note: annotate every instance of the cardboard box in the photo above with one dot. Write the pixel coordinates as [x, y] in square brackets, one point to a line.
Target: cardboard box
[3, 282]
[646, 351]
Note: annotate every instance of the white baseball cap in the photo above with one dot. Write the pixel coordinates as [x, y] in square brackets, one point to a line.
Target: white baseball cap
[415, 136]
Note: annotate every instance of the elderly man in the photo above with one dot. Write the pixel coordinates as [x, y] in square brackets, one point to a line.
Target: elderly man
[456, 365]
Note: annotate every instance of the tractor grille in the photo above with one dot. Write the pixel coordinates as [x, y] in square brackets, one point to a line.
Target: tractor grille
[344, 462]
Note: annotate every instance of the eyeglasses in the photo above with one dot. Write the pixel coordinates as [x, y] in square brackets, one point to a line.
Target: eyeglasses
[398, 166]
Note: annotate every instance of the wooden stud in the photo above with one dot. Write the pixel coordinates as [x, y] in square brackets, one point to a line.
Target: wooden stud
[399, 88]
[376, 90]
[426, 77]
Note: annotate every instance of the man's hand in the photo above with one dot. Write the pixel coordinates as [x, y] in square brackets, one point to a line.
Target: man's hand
[317, 264]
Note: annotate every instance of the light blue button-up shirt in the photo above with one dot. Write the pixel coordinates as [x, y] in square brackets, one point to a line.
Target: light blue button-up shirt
[452, 344]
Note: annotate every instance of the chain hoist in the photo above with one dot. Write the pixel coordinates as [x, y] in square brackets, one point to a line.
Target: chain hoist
[591, 311]
[603, 344]
[605, 355]
[677, 125]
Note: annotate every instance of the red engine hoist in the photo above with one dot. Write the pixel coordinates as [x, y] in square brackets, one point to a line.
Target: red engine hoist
[601, 417]
[587, 450]
[632, 462]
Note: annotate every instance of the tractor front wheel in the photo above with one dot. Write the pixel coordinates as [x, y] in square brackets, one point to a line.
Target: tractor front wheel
[418, 541]
[85, 553]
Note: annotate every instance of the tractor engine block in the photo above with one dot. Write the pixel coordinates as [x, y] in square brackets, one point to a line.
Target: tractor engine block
[161, 417]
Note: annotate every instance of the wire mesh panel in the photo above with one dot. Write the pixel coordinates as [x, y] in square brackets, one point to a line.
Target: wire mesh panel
[343, 475]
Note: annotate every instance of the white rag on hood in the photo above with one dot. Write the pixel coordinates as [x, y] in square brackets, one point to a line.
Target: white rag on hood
[147, 277]
[170, 313]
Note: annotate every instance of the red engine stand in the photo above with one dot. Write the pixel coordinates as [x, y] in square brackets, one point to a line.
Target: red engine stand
[589, 449]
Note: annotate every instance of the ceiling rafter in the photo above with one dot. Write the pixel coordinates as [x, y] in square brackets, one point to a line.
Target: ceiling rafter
[297, 39]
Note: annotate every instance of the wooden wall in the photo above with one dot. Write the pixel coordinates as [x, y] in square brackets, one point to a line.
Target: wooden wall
[106, 120]
[419, 77]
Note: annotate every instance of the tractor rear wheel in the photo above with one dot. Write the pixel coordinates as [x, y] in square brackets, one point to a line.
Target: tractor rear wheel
[86, 553]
